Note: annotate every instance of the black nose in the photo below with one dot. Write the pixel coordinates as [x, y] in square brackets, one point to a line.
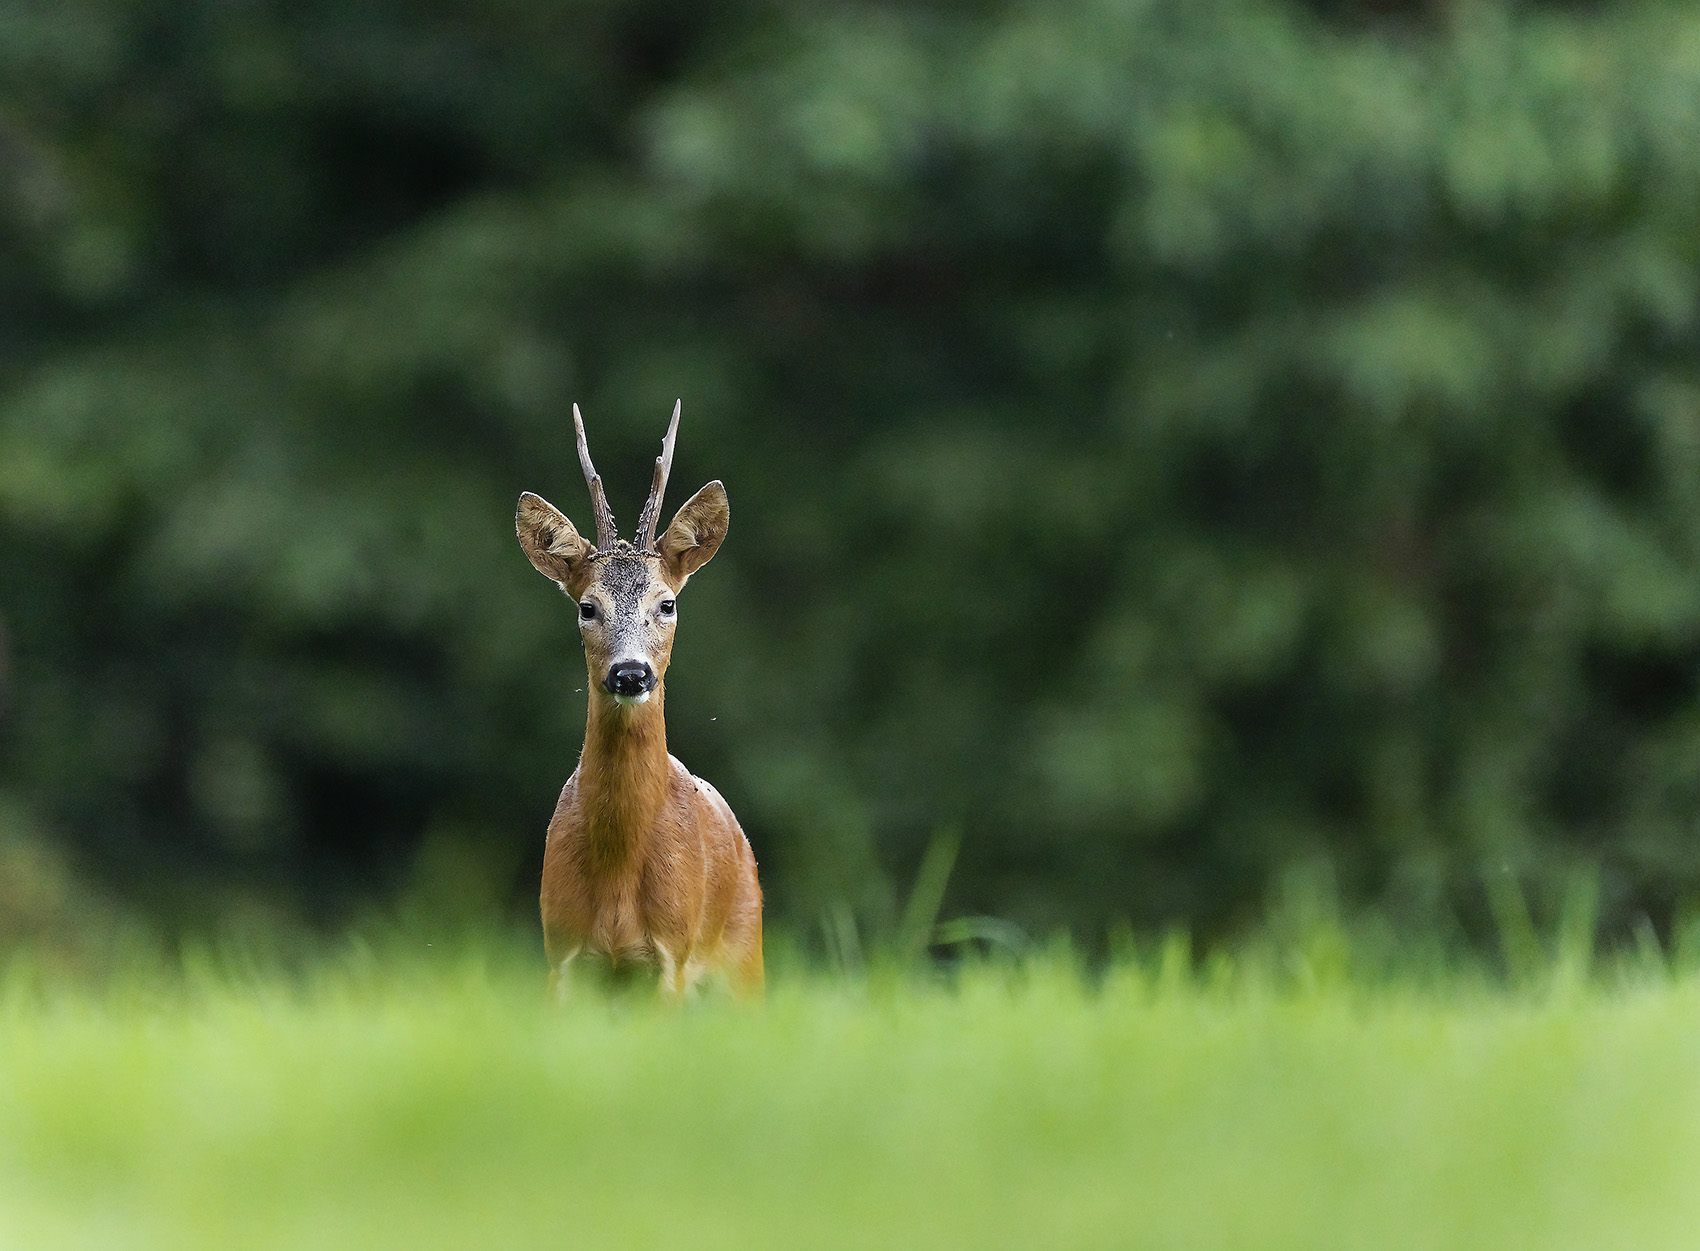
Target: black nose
[630, 677]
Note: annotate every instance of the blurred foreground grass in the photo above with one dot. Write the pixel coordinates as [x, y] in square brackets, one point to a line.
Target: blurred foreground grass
[383, 1101]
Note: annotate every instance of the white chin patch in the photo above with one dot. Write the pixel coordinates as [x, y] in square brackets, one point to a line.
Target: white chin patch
[626, 701]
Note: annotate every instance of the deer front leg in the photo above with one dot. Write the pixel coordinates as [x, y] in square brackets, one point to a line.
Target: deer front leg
[560, 976]
[673, 983]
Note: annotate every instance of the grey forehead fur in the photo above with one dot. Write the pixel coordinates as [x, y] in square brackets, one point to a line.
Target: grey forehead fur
[625, 576]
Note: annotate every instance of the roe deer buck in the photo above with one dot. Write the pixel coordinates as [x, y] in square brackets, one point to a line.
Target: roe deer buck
[644, 864]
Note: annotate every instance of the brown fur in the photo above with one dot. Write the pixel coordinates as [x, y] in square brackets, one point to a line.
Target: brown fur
[643, 863]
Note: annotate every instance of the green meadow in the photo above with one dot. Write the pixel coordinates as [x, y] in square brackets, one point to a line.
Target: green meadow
[388, 1100]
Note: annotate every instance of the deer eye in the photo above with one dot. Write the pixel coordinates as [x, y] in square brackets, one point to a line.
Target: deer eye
[669, 607]
[587, 611]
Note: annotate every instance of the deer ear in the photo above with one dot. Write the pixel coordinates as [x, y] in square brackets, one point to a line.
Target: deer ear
[549, 541]
[695, 533]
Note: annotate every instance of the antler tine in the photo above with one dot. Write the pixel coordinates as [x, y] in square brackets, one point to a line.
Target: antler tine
[663, 466]
[606, 534]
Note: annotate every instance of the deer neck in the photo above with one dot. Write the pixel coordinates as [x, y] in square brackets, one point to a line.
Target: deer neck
[623, 771]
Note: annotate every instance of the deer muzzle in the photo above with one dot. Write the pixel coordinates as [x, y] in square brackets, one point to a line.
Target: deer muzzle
[629, 679]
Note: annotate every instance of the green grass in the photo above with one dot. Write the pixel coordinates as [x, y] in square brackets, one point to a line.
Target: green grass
[383, 1103]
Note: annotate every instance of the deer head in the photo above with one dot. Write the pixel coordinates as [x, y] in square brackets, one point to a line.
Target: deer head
[627, 593]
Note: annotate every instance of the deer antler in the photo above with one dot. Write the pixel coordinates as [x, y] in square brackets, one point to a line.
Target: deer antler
[663, 466]
[606, 534]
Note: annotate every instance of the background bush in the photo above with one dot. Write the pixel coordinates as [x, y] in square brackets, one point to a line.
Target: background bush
[1168, 440]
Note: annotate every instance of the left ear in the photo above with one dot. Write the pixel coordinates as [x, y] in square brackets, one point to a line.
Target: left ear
[695, 534]
[551, 544]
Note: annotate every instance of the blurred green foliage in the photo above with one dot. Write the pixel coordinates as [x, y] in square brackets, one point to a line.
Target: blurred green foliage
[1168, 440]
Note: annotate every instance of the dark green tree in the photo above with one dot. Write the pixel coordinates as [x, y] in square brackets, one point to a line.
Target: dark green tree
[1166, 440]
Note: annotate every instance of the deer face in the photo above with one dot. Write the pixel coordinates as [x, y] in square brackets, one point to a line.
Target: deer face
[625, 616]
[627, 598]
